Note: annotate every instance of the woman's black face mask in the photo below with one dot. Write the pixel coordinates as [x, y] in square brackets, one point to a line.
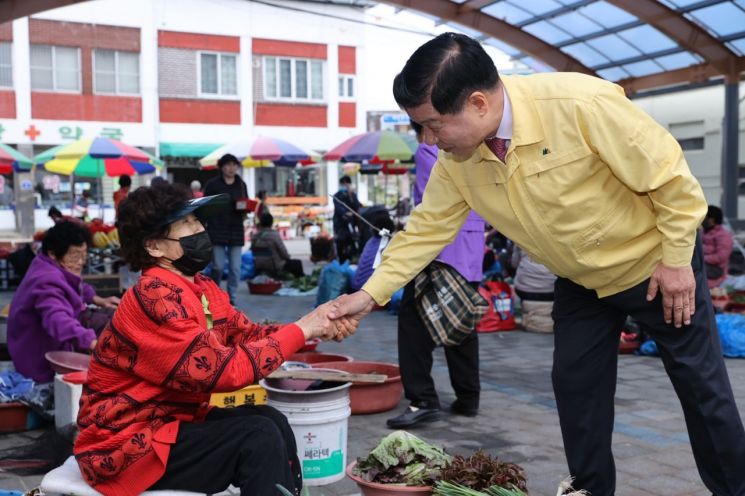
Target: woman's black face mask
[197, 253]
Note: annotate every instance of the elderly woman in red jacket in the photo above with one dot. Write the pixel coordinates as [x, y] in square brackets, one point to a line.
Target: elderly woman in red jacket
[145, 420]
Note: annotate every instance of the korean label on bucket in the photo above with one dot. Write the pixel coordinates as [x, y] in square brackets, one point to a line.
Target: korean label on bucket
[314, 466]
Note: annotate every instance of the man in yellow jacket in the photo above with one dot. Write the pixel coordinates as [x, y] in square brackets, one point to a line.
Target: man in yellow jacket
[593, 188]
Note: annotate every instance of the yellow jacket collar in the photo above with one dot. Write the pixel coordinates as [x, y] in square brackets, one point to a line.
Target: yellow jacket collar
[526, 123]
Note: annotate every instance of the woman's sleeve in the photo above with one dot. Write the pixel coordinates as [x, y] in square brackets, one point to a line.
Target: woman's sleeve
[59, 318]
[182, 355]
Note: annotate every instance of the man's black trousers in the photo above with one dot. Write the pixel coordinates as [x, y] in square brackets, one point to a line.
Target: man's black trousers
[587, 330]
[415, 347]
[251, 447]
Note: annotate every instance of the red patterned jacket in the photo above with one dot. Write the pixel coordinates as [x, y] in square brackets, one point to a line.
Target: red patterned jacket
[155, 366]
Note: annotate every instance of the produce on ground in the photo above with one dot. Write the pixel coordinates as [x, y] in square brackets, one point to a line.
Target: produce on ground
[403, 458]
[480, 471]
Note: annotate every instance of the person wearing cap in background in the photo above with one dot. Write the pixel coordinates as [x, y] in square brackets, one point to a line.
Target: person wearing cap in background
[226, 229]
[145, 420]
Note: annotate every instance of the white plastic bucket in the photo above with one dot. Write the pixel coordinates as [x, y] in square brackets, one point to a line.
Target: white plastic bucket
[319, 422]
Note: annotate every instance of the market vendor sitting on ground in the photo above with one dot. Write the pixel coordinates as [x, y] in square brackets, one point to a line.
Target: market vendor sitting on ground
[269, 251]
[145, 420]
[49, 311]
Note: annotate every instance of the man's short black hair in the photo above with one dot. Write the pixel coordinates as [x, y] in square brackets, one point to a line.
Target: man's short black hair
[54, 212]
[716, 214]
[125, 181]
[60, 237]
[345, 180]
[445, 71]
[226, 159]
[266, 220]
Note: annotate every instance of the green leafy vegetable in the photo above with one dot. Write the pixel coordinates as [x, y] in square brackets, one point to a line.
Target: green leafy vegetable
[403, 458]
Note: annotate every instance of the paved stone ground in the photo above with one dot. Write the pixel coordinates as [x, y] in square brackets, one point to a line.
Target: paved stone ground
[518, 420]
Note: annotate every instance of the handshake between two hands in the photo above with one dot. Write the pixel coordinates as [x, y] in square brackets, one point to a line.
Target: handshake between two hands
[336, 319]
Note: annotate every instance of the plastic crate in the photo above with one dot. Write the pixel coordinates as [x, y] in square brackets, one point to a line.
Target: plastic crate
[15, 417]
[251, 395]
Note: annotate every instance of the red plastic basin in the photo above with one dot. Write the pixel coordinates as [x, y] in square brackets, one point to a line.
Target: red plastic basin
[367, 397]
[375, 489]
[67, 361]
[314, 357]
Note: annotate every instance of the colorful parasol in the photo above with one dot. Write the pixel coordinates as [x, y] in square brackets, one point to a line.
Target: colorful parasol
[13, 160]
[259, 151]
[376, 147]
[97, 157]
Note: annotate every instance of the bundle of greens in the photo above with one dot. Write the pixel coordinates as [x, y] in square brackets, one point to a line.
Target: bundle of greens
[480, 471]
[403, 458]
[444, 488]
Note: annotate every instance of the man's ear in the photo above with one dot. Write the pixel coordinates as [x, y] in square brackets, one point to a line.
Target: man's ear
[153, 248]
[479, 101]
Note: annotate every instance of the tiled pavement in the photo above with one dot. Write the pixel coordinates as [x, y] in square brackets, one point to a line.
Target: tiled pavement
[518, 420]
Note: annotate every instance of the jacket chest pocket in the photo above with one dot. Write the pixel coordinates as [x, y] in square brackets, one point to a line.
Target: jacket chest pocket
[554, 162]
[564, 179]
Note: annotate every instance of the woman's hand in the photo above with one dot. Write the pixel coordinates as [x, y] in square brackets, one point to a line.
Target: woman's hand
[316, 324]
[110, 302]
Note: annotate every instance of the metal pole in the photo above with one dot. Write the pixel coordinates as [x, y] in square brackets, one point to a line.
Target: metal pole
[730, 168]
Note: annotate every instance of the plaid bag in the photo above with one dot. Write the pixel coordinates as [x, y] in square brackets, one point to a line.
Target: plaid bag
[449, 306]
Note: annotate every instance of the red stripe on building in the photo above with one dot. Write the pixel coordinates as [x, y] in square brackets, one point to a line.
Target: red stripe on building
[273, 114]
[8, 104]
[281, 48]
[195, 41]
[83, 35]
[200, 111]
[347, 114]
[6, 31]
[347, 60]
[64, 106]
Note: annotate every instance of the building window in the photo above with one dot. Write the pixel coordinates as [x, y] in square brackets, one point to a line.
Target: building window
[691, 144]
[293, 79]
[55, 68]
[117, 72]
[218, 74]
[346, 87]
[6, 66]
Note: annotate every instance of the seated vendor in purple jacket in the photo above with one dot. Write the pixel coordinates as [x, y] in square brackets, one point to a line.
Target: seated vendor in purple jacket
[49, 309]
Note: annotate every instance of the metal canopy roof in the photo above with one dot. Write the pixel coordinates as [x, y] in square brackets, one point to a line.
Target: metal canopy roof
[640, 44]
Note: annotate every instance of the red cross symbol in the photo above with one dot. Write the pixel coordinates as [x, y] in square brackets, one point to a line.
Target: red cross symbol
[310, 437]
[32, 132]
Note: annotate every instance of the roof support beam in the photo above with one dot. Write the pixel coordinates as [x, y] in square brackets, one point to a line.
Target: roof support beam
[499, 29]
[14, 9]
[687, 33]
[693, 74]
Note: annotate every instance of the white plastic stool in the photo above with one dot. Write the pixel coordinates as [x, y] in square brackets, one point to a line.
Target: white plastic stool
[66, 480]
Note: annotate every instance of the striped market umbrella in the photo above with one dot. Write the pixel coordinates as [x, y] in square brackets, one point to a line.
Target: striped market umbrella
[12, 160]
[97, 157]
[259, 151]
[376, 147]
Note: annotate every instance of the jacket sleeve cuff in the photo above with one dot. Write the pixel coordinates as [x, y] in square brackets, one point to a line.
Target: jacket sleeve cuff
[290, 338]
[677, 256]
[378, 291]
[86, 338]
